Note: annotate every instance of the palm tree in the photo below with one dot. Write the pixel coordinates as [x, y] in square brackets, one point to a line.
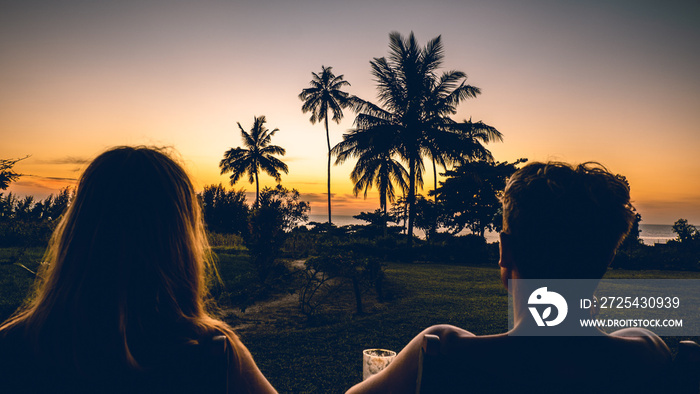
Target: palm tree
[257, 155]
[472, 135]
[415, 105]
[323, 96]
[375, 165]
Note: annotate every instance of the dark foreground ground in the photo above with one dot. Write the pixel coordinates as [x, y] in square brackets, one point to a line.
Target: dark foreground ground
[323, 355]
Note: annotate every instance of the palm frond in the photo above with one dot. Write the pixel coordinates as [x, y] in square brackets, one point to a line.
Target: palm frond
[273, 150]
[432, 55]
[324, 95]
[272, 166]
[256, 155]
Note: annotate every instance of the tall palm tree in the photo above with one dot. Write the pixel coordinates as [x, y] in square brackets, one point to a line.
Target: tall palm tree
[256, 155]
[415, 105]
[322, 97]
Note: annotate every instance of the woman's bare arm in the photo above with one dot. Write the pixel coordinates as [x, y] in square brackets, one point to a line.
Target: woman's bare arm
[250, 379]
[401, 375]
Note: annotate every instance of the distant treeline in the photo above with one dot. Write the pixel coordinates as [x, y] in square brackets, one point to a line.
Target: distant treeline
[275, 229]
[682, 253]
[28, 221]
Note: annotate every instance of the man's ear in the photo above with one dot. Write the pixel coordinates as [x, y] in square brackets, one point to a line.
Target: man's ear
[506, 258]
[505, 251]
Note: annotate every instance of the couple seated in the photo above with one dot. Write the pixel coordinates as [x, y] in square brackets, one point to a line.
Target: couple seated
[123, 293]
[559, 222]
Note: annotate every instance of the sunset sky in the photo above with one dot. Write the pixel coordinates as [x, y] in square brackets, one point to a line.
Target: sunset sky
[610, 81]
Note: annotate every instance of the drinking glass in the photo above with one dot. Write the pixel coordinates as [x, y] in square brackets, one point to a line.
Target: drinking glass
[375, 360]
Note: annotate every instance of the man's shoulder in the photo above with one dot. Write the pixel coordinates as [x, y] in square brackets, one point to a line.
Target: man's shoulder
[650, 343]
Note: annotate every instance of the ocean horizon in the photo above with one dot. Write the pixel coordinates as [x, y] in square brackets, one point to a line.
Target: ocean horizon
[650, 234]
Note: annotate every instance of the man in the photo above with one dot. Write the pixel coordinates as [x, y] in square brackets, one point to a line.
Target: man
[559, 222]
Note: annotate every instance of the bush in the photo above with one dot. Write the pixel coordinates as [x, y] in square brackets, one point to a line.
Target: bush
[26, 222]
[228, 240]
[278, 213]
[224, 211]
[673, 255]
[340, 264]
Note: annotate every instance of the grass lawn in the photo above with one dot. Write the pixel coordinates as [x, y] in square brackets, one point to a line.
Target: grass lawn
[15, 277]
[325, 357]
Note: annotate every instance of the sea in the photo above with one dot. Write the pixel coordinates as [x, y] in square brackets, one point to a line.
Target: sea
[650, 234]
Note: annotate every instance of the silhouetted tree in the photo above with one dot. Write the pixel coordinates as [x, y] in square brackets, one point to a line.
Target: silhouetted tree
[224, 211]
[30, 222]
[323, 96]
[256, 155]
[53, 207]
[686, 232]
[375, 165]
[430, 215]
[399, 211]
[7, 175]
[377, 218]
[415, 104]
[279, 211]
[377, 224]
[339, 264]
[473, 137]
[632, 239]
[471, 195]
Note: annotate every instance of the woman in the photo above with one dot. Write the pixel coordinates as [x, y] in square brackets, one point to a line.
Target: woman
[120, 304]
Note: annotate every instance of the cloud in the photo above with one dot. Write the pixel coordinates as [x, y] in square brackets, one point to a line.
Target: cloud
[290, 159]
[340, 201]
[314, 197]
[65, 160]
[51, 178]
[28, 184]
[343, 204]
[323, 197]
[309, 183]
[667, 211]
[39, 187]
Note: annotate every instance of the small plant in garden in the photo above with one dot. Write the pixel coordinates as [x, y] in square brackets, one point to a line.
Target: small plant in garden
[338, 266]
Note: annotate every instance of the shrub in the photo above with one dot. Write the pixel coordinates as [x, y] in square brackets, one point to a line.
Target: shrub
[278, 213]
[340, 264]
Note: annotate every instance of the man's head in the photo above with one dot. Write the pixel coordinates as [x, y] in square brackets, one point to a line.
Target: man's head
[561, 221]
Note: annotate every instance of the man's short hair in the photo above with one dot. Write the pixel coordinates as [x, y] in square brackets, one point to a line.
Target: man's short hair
[565, 221]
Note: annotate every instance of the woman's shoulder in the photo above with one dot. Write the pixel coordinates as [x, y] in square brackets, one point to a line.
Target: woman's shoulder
[14, 342]
[17, 360]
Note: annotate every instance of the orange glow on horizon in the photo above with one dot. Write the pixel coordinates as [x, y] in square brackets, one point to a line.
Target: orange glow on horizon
[76, 82]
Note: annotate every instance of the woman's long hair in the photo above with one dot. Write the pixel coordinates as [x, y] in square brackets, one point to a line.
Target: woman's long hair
[127, 266]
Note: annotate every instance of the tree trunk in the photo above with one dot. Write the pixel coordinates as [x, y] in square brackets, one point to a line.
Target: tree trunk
[434, 179]
[257, 191]
[411, 199]
[378, 287]
[382, 206]
[328, 140]
[358, 294]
